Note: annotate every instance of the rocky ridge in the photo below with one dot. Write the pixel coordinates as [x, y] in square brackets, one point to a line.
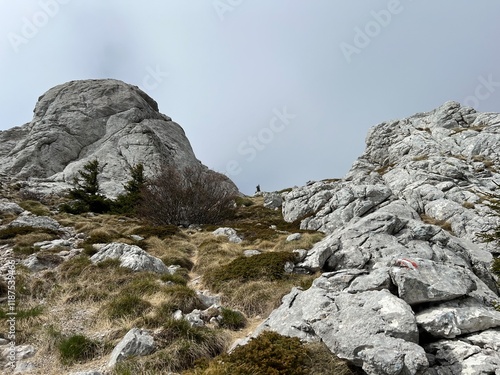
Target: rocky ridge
[79, 121]
[405, 285]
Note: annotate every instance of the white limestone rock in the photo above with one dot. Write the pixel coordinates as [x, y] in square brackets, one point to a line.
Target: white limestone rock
[39, 262]
[430, 282]
[456, 318]
[137, 342]
[294, 237]
[251, 252]
[43, 222]
[374, 329]
[273, 201]
[230, 233]
[459, 357]
[7, 207]
[133, 257]
[401, 240]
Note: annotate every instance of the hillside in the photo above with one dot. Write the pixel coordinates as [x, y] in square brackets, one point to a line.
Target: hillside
[380, 272]
[62, 292]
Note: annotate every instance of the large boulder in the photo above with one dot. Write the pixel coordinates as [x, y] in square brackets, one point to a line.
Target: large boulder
[456, 318]
[429, 281]
[374, 329]
[108, 120]
[33, 221]
[133, 257]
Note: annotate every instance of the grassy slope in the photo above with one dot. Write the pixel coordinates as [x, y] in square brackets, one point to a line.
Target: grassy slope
[102, 302]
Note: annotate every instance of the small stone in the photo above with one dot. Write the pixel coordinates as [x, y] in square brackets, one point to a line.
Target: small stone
[194, 318]
[137, 342]
[136, 237]
[294, 237]
[300, 254]
[230, 233]
[251, 253]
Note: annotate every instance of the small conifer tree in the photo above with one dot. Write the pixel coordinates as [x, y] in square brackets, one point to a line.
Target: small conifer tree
[127, 202]
[86, 191]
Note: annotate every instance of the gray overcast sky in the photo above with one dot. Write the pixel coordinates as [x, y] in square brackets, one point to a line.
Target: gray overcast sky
[275, 92]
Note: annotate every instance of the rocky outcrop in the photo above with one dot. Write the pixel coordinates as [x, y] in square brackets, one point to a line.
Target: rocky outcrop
[405, 279]
[108, 120]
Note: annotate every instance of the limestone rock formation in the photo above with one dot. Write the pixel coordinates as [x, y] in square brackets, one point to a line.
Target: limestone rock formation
[108, 120]
[406, 286]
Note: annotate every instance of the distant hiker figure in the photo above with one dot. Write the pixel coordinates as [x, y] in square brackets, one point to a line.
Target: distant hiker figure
[257, 189]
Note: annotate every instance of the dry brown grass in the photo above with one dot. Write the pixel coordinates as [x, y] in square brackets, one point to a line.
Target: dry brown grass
[385, 168]
[307, 241]
[468, 205]
[77, 294]
[214, 251]
[31, 238]
[420, 158]
[446, 225]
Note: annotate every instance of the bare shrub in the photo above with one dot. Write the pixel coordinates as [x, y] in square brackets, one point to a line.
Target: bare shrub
[193, 196]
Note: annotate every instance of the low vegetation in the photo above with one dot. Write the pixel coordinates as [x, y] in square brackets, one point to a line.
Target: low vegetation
[186, 197]
[385, 168]
[77, 348]
[180, 346]
[273, 354]
[493, 236]
[77, 312]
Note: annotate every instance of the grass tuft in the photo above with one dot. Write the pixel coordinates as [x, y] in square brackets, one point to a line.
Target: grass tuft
[77, 348]
[126, 306]
[180, 347]
[36, 208]
[232, 319]
[266, 267]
